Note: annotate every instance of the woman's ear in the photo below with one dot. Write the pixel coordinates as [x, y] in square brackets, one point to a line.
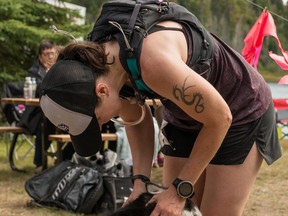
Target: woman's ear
[101, 90]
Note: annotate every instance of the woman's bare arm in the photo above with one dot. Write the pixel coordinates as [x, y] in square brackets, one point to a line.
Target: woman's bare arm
[164, 70]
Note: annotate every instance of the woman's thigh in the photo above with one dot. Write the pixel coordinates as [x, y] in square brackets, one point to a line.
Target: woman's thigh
[227, 187]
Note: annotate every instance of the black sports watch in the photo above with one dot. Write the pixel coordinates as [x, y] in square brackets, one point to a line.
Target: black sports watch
[184, 188]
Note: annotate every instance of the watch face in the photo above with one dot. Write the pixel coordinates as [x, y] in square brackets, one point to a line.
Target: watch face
[185, 189]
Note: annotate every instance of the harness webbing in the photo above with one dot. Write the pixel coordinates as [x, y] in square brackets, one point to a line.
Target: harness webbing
[133, 20]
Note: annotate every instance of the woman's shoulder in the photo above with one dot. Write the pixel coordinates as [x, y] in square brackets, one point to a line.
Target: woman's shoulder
[162, 45]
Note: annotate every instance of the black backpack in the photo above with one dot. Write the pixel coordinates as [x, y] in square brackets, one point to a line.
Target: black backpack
[130, 21]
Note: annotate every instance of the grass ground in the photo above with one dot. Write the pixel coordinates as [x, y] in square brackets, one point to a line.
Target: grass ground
[268, 198]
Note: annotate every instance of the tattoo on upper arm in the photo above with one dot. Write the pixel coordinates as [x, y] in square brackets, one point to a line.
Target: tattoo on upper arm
[180, 93]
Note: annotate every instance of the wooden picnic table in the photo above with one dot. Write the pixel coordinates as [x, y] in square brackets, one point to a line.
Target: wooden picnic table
[45, 135]
[35, 101]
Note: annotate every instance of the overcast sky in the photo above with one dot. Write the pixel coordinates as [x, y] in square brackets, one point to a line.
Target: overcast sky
[285, 1]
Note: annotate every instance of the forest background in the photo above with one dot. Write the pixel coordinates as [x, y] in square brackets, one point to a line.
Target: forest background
[24, 23]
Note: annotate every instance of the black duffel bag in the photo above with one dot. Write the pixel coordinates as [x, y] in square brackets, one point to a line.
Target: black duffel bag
[80, 188]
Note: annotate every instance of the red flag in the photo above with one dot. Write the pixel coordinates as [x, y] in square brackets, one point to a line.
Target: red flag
[264, 26]
[254, 39]
[283, 80]
[282, 61]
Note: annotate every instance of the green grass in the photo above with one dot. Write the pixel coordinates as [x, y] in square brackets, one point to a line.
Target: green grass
[13, 197]
[23, 157]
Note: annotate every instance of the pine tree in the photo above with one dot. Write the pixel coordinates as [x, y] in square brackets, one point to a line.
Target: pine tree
[23, 24]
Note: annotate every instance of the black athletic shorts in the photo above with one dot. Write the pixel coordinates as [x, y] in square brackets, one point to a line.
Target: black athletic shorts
[236, 145]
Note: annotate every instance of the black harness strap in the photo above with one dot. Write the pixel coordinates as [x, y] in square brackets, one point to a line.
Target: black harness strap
[133, 20]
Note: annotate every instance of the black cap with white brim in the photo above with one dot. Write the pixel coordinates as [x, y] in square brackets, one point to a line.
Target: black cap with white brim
[68, 100]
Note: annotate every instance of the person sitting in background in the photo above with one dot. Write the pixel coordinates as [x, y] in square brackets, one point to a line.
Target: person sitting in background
[46, 58]
[31, 119]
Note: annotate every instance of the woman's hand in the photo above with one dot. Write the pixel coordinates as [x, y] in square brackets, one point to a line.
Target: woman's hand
[138, 189]
[168, 203]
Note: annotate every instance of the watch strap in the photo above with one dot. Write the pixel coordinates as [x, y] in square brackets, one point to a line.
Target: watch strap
[176, 182]
[143, 178]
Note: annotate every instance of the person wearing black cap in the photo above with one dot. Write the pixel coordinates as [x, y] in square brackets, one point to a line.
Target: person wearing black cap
[218, 124]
